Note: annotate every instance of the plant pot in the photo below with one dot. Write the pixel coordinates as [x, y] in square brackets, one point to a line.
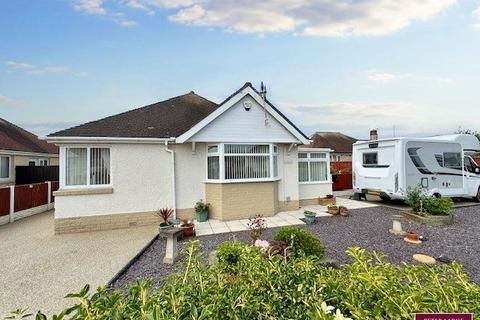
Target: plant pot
[165, 225]
[310, 217]
[202, 216]
[333, 210]
[187, 229]
[411, 236]
[343, 211]
[327, 201]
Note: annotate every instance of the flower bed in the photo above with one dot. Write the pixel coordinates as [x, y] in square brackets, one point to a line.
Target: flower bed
[428, 219]
[254, 282]
[426, 209]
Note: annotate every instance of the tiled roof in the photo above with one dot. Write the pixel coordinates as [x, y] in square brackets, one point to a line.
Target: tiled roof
[336, 141]
[165, 119]
[15, 138]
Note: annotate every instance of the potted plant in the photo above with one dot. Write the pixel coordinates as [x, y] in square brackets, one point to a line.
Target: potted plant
[201, 210]
[334, 172]
[309, 217]
[165, 214]
[187, 227]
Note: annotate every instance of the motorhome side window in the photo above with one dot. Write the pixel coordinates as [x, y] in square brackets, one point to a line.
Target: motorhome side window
[370, 159]
[452, 160]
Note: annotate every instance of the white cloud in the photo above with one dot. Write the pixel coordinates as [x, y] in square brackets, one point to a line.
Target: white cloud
[379, 76]
[128, 23]
[328, 18]
[476, 15]
[8, 102]
[39, 70]
[357, 118]
[94, 7]
[385, 77]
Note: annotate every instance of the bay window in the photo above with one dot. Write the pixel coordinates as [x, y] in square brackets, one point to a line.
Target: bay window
[313, 167]
[240, 162]
[87, 166]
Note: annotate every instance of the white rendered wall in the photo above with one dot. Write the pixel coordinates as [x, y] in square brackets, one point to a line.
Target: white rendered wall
[141, 183]
[190, 172]
[288, 173]
[313, 191]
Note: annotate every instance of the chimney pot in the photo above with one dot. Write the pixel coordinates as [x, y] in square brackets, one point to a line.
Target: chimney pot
[373, 134]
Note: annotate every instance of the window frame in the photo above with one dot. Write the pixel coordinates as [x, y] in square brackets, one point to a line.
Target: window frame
[9, 168]
[88, 185]
[370, 165]
[309, 160]
[221, 159]
[460, 157]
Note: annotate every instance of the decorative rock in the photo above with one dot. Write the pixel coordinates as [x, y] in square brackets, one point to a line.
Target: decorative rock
[422, 258]
[397, 225]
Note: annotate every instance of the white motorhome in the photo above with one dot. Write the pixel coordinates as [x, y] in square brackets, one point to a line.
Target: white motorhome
[443, 165]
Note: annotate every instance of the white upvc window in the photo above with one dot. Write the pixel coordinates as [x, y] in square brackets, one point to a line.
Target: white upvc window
[313, 167]
[87, 166]
[38, 162]
[237, 162]
[5, 167]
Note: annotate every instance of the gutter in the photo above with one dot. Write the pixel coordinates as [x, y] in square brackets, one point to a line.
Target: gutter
[105, 140]
[172, 164]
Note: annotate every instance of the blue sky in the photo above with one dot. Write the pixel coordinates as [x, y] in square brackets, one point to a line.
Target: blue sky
[331, 65]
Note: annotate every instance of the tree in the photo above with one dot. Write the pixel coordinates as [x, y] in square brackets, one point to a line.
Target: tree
[468, 131]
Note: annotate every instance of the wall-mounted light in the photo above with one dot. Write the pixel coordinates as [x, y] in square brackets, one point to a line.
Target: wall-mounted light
[247, 105]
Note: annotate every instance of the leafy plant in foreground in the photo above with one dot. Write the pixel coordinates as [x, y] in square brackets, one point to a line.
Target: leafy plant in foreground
[263, 287]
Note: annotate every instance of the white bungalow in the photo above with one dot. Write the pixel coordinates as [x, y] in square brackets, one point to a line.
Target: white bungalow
[243, 156]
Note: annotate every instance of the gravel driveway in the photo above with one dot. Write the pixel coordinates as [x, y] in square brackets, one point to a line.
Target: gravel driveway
[38, 268]
[366, 228]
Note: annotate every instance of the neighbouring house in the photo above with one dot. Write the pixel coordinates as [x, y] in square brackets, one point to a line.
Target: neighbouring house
[340, 143]
[19, 147]
[243, 156]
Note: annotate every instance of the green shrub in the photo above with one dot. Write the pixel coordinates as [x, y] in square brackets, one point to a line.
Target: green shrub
[301, 241]
[301, 288]
[438, 206]
[232, 255]
[416, 198]
[425, 204]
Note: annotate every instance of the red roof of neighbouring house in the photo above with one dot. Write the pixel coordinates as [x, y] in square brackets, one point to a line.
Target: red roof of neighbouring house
[15, 138]
[336, 141]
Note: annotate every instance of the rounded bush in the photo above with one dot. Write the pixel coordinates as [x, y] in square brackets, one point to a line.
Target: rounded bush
[301, 241]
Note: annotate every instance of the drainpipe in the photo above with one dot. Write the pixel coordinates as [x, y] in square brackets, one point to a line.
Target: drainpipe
[172, 164]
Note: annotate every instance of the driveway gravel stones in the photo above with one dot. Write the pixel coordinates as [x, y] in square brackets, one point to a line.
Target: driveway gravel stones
[367, 227]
